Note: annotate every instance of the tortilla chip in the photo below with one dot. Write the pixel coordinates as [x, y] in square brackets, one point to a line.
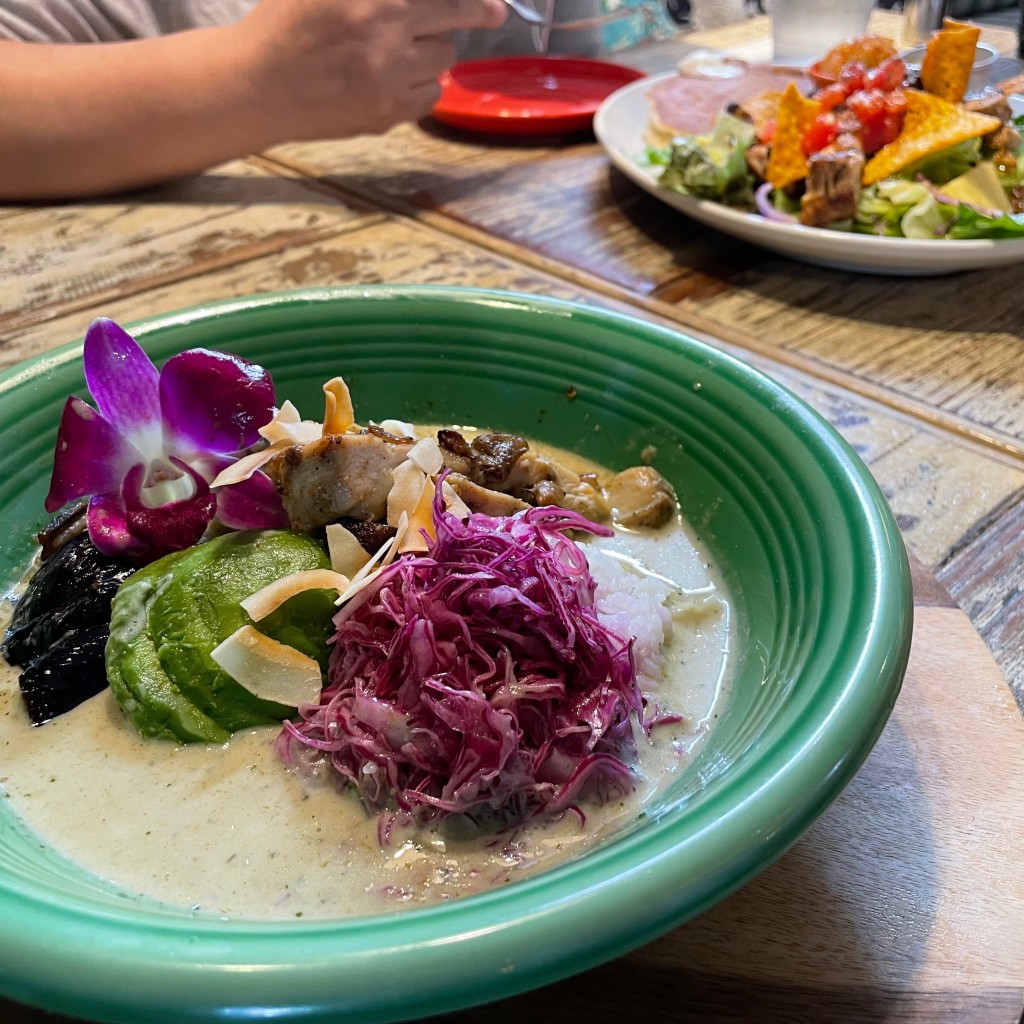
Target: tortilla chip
[762, 108]
[869, 50]
[788, 162]
[946, 68]
[931, 124]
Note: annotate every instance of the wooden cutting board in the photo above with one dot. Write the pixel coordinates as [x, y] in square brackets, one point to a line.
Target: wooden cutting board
[904, 902]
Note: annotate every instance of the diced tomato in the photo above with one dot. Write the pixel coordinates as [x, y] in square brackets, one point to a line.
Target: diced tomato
[831, 96]
[887, 76]
[868, 105]
[880, 115]
[766, 131]
[896, 102]
[820, 132]
[880, 131]
[852, 76]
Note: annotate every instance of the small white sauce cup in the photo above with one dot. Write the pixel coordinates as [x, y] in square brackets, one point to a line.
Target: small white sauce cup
[984, 57]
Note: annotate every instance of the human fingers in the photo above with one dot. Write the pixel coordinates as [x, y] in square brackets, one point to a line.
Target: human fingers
[428, 57]
[440, 16]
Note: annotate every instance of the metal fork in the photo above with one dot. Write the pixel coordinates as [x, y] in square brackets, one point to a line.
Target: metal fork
[534, 17]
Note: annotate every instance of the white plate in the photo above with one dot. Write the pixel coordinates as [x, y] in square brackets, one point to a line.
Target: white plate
[620, 124]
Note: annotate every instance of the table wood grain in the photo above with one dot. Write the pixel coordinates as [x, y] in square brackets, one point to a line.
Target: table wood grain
[905, 901]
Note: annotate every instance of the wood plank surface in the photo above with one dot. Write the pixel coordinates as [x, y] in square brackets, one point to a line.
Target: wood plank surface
[986, 575]
[895, 905]
[57, 259]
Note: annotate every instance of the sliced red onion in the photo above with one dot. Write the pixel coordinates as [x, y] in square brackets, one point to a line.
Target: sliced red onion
[765, 207]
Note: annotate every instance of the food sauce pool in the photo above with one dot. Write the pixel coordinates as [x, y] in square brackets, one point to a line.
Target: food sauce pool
[227, 830]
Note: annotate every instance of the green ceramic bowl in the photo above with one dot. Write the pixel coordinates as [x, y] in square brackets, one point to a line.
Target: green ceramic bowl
[807, 544]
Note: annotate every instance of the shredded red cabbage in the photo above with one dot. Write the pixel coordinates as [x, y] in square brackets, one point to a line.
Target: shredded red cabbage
[478, 678]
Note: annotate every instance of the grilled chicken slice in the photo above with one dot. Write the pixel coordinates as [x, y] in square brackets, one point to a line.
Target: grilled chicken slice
[833, 182]
[482, 499]
[337, 477]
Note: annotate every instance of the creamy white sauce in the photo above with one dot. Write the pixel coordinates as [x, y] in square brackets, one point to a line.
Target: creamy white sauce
[227, 830]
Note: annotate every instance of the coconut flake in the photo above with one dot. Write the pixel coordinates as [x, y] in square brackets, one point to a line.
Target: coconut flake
[453, 503]
[267, 669]
[259, 605]
[248, 464]
[369, 572]
[348, 556]
[339, 415]
[288, 425]
[419, 533]
[426, 454]
[405, 491]
[398, 428]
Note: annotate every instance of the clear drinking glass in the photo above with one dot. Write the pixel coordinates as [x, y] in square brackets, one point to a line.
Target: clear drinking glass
[803, 30]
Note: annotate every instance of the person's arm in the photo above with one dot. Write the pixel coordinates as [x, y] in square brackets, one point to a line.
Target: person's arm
[85, 119]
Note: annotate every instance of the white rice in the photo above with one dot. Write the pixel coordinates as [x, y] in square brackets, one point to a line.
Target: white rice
[635, 605]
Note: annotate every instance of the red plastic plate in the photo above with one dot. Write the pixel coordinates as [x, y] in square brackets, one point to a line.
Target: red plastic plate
[528, 95]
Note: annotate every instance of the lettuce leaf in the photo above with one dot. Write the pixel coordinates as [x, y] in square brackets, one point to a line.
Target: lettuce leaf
[910, 209]
[970, 223]
[945, 165]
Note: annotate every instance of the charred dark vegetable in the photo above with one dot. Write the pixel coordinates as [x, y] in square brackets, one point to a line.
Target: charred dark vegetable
[60, 627]
[369, 534]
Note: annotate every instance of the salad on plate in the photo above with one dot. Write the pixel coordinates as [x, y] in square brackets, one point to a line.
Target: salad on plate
[863, 145]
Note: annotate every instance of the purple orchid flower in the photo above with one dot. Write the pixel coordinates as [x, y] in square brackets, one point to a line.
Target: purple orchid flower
[148, 452]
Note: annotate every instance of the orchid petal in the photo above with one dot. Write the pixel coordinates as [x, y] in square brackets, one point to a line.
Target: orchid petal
[91, 457]
[251, 504]
[213, 402]
[108, 527]
[125, 384]
[169, 527]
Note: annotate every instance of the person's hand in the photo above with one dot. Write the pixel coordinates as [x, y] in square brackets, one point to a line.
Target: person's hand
[334, 68]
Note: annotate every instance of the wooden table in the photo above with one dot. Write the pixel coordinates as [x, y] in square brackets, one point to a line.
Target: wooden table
[906, 900]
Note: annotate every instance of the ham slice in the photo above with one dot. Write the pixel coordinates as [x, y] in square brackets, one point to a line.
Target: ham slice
[690, 104]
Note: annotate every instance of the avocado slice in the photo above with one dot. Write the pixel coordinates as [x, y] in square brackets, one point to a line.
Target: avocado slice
[167, 618]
